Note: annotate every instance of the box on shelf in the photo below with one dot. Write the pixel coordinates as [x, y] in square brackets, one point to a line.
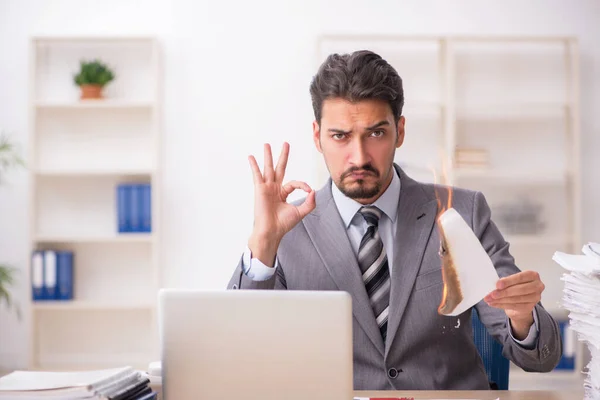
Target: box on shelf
[471, 158]
[52, 275]
[134, 208]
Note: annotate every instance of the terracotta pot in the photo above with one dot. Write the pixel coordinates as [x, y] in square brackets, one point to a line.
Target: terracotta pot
[91, 92]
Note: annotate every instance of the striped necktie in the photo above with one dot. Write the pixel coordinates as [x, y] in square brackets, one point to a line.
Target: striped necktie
[374, 268]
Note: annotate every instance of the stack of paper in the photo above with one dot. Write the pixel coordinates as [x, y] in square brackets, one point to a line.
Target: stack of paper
[581, 297]
[108, 384]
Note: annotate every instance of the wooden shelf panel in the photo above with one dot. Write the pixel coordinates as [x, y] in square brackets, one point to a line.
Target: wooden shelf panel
[494, 176]
[90, 305]
[114, 239]
[101, 104]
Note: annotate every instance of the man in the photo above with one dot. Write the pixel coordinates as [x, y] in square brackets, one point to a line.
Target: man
[371, 231]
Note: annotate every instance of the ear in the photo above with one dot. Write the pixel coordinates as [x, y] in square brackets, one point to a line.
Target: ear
[400, 140]
[317, 135]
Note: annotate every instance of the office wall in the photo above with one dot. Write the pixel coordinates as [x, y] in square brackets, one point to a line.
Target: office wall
[236, 76]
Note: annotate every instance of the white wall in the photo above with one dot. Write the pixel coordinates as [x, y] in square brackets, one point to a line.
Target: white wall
[236, 76]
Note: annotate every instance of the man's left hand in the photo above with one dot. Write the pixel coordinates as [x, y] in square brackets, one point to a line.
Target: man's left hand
[517, 295]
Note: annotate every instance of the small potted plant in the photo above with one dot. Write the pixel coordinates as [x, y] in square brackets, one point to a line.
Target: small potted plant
[92, 77]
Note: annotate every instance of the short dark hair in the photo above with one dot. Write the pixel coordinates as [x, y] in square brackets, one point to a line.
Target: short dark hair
[361, 75]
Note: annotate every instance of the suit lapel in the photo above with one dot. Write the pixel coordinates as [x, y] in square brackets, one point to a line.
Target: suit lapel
[416, 218]
[328, 234]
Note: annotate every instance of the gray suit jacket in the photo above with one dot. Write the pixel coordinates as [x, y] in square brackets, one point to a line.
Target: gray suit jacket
[429, 351]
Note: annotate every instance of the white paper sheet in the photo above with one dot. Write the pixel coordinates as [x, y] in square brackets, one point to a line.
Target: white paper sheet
[581, 296]
[44, 380]
[476, 272]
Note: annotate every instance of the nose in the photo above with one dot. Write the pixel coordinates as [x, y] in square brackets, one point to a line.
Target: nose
[358, 153]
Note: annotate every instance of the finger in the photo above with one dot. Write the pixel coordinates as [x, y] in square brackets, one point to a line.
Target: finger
[293, 185]
[518, 290]
[528, 298]
[256, 174]
[269, 173]
[282, 162]
[309, 204]
[515, 279]
[518, 308]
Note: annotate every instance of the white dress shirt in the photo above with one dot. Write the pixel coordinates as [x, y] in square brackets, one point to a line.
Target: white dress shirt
[356, 226]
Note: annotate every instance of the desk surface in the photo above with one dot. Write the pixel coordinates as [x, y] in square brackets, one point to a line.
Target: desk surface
[482, 395]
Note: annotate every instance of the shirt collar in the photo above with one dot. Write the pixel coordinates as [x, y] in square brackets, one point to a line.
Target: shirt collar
[387, 202]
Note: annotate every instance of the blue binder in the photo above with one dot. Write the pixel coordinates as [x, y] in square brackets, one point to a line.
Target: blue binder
[50, 270]
[134, 207]
[567, 361]
[37, 275]
[64, 275]
[123, 210]
[135, 215]
[146, 207]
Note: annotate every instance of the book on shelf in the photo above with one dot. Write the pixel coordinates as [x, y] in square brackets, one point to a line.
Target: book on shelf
[105, 384]
[134, 207]
[52, 275]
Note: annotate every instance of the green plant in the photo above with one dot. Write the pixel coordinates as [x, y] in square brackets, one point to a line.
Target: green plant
[8, 158]
[7, 279]
[93, 72]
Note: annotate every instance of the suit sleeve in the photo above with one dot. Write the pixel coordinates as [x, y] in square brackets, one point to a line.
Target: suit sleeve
[241, 279]
[546, 352]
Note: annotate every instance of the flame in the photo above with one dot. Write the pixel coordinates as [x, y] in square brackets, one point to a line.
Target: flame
[444, 292]
[447, 267]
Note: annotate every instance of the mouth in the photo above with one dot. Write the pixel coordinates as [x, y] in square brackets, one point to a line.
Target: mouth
[360, 174]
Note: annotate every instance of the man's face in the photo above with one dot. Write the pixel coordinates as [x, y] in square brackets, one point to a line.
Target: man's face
[358, 142]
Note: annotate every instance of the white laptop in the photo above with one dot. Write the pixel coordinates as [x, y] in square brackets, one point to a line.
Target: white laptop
[256, 344]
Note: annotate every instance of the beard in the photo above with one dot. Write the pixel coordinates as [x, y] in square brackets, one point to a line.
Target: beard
[360, 188]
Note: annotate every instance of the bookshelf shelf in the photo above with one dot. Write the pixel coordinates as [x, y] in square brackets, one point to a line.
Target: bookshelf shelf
[128, 173]
[499, 115]
[510, 177]
[538, 240]
[82, 151]
[523, 111]
[118, 238]
[94, 104]
[90, 305]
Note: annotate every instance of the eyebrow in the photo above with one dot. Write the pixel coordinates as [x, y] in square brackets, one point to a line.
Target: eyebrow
[377, 125]
[368, 128]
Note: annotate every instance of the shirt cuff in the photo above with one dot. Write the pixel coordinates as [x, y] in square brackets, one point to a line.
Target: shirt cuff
[254, 269]
[529, 341]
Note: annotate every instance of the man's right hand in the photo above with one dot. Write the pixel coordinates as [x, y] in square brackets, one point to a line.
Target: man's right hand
[273, 216]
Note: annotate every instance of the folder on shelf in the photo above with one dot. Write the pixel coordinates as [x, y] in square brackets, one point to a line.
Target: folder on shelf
[135, 216]
[37, 275]
[567, 361]
[52, 275]
[64, 275]
[145, 207]
[123, 208]
[134, 208]
[49, 275]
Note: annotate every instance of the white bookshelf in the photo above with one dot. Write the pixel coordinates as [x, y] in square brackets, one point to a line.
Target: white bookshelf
[518, 99]
[79, 152]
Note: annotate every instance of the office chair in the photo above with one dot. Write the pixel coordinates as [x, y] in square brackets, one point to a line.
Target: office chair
[496, 365]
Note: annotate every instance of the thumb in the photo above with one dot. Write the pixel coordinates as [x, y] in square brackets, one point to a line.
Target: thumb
[308, 205]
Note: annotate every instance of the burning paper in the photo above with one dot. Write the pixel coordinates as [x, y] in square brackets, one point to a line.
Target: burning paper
[468, 272]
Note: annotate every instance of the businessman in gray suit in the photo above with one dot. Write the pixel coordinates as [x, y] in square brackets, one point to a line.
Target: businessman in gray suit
[371, 231]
